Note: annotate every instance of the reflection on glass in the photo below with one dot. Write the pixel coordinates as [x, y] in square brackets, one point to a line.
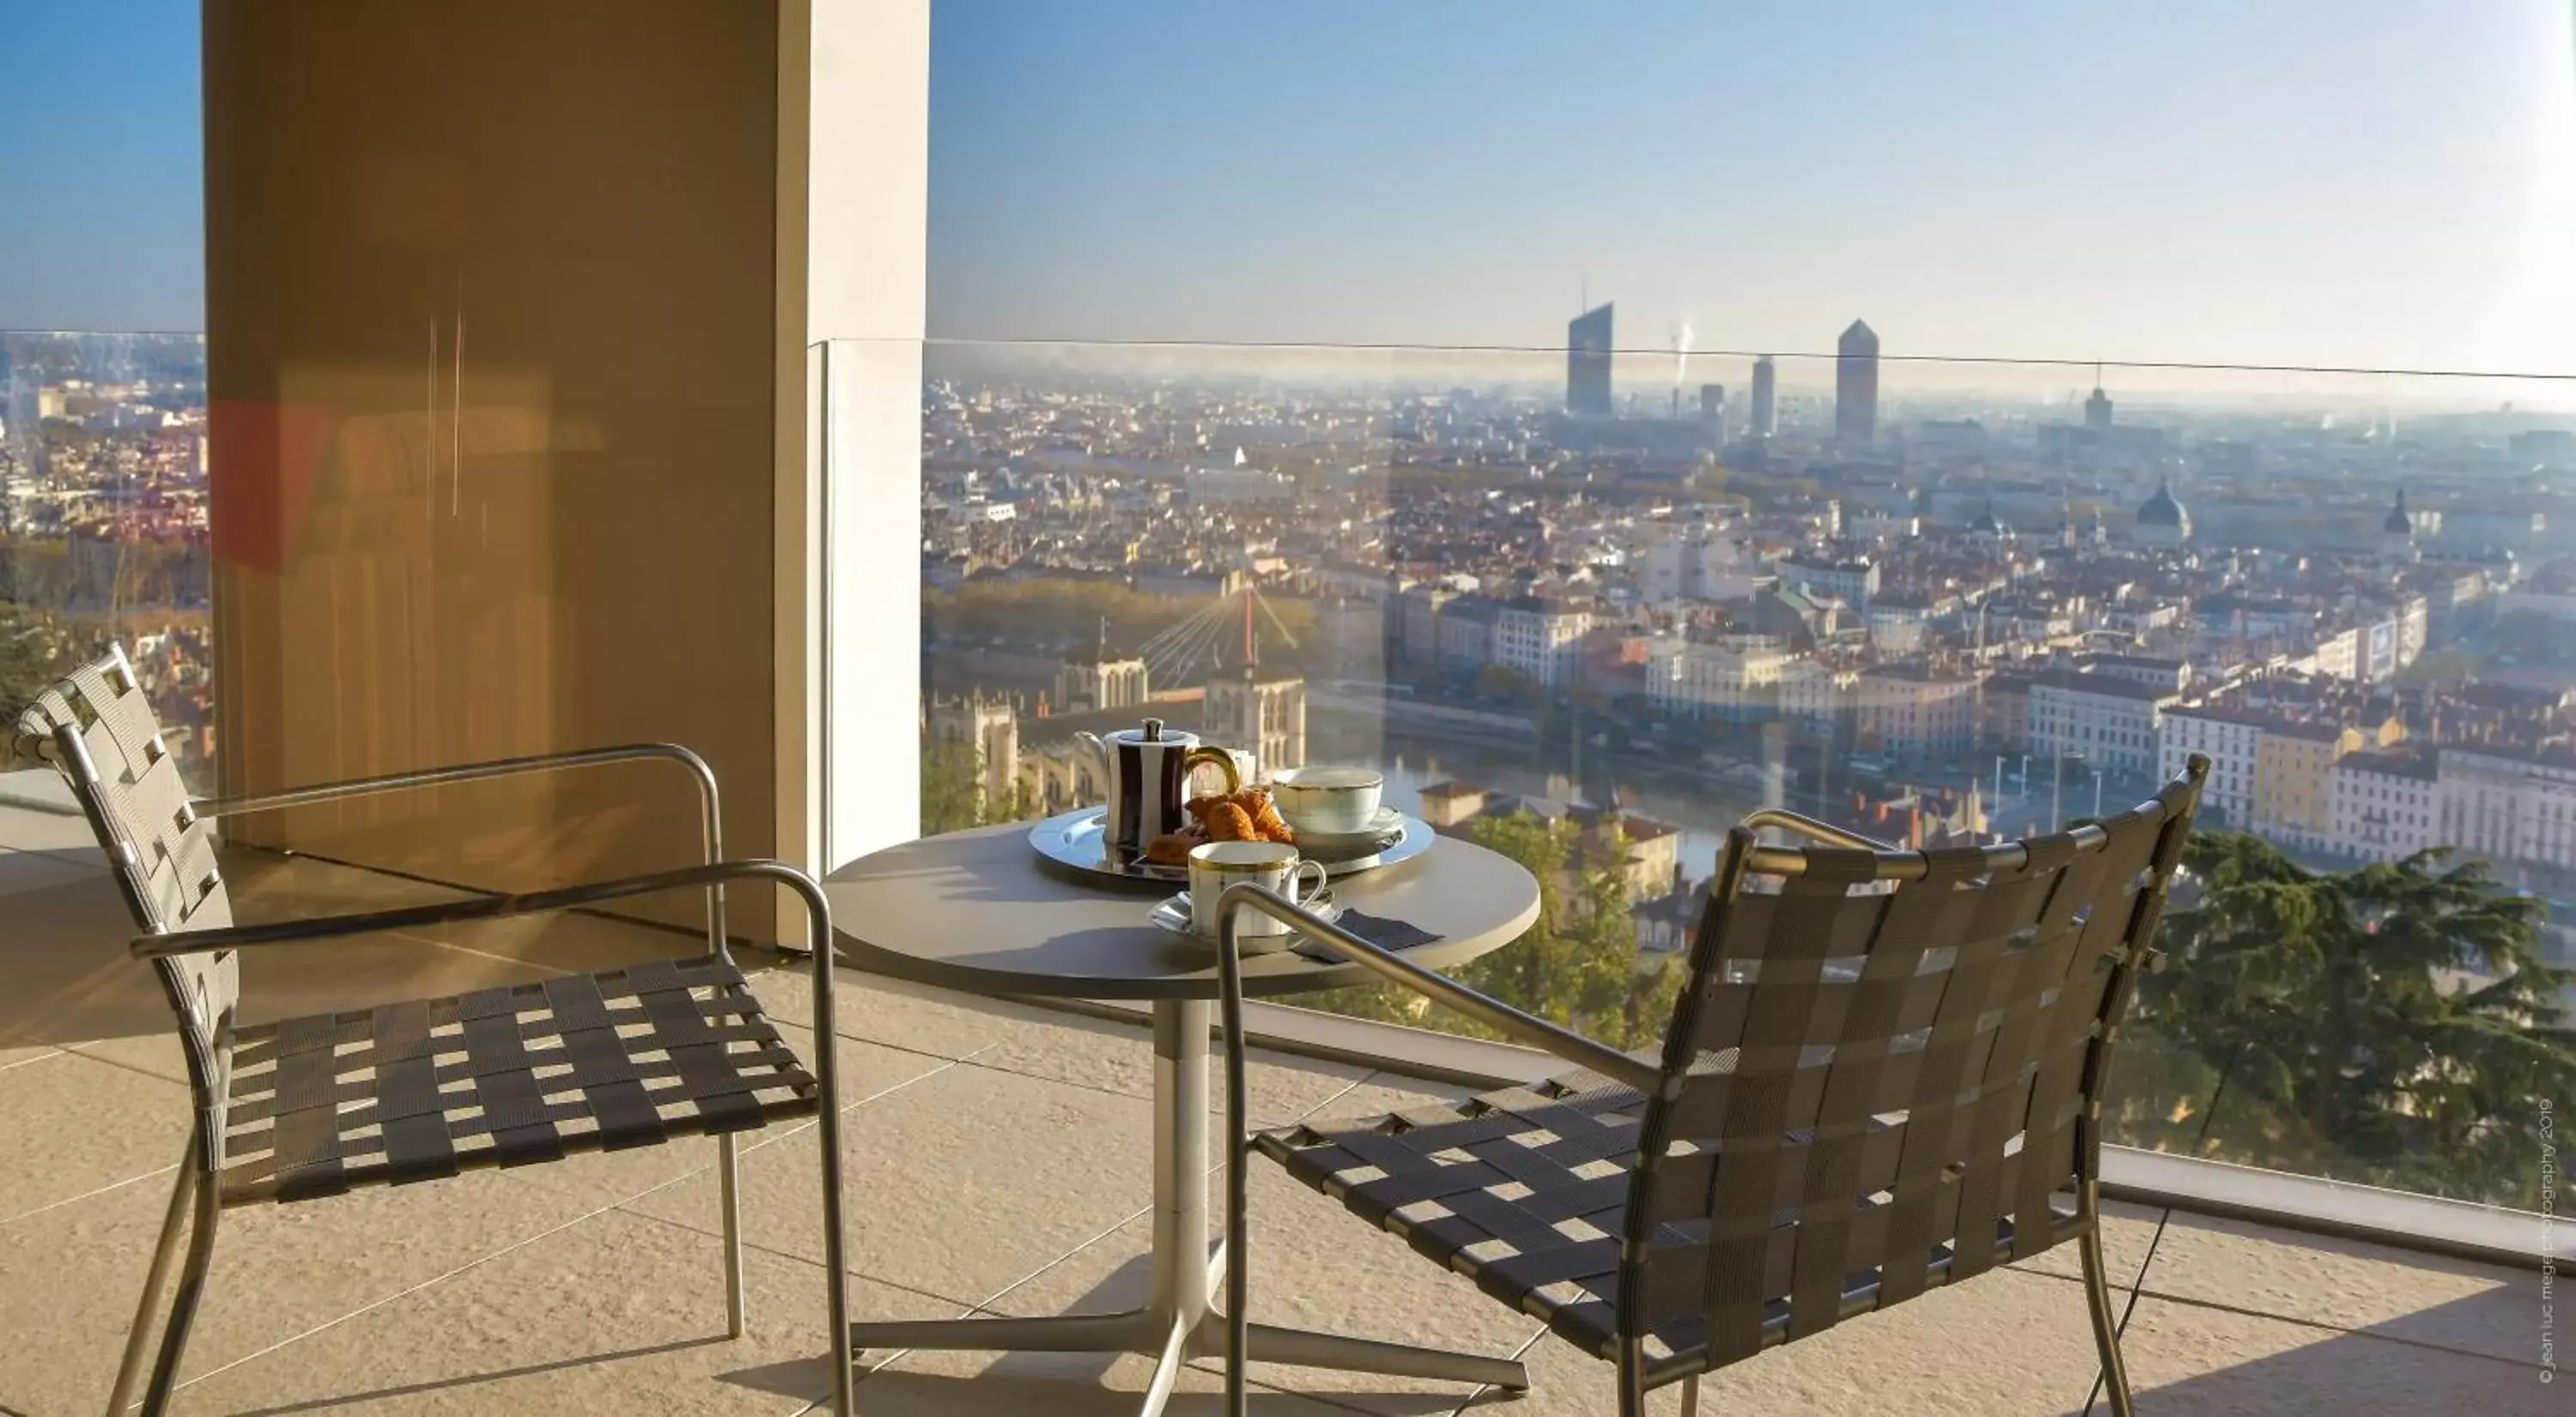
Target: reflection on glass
[103, 527]
[1589, 607]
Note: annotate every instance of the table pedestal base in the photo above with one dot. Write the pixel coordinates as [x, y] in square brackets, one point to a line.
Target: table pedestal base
[1178, 1321]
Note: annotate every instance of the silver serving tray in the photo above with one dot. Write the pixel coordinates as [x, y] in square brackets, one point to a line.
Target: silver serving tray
[1075, 840]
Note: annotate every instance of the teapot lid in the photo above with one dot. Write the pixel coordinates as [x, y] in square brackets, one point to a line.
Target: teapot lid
[1154, 732]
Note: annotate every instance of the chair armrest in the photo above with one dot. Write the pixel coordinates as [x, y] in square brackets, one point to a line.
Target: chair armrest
[485, 907]
[459, 773]
[710, 803]
[1520, 1027]
[1814, 830]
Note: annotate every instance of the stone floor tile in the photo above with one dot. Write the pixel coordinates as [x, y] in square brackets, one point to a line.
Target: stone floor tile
[2349, 1284]
[2188, 1360]
[77, 1125]
[2127, 1232]
[957, 1185]
[12, 1057]
[159, 1054]
[616, 1314]
[940, 1022]
[278, 1271]
[2004, 1344]
[24, 830]
[1117, 1056]
[1314, 1266]
[955, 1384]
[23, 871]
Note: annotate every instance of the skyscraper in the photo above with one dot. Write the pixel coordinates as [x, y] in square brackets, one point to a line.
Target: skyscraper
[1856, 387]
[2097, 409]
[1763, 380]
[1587, 363]
[1712, 412]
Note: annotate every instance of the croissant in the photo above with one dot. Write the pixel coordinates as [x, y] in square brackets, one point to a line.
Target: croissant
[1173, 848]
[1229, 822]
[1256, 804]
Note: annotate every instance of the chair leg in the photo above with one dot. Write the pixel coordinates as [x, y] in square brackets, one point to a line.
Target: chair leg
[183, 1309]
[2106, 1325]
[1690, 1396]
[729, 1189]
[183, 1194]
[1632, 1380]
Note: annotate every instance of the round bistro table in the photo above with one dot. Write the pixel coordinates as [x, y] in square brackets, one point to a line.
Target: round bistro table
[979, 911]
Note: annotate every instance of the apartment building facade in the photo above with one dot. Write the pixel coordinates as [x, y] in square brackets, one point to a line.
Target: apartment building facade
[2111, 722]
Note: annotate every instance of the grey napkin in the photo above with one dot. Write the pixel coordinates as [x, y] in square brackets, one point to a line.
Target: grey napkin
[1378, 930]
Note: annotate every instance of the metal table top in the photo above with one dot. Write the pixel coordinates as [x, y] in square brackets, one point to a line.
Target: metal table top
[979, 911]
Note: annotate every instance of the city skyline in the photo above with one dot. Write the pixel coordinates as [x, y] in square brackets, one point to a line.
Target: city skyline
[2210, 189]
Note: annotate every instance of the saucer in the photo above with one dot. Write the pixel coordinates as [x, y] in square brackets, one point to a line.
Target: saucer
[1173, 916]
[1386, 822]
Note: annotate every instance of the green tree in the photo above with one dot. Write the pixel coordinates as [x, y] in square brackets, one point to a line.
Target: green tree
[1575, 965]
[35, 649]
[2392, 1024]
[952, 787]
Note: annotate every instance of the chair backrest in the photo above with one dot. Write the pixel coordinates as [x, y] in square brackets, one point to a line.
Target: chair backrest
[97, 728]
[1883, 1066]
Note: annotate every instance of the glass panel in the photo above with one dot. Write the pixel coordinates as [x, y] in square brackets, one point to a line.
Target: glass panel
[103, 528]
[1591, 606]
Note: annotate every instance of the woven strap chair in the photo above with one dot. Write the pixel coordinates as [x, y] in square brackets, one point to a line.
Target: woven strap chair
[1885, 1073]
[312, 1107]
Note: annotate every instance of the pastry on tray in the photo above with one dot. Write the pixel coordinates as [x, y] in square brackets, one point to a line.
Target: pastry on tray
[1247, 815]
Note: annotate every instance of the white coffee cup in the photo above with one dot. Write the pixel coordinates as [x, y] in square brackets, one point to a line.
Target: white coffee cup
[1271, 864]
[1329, 801]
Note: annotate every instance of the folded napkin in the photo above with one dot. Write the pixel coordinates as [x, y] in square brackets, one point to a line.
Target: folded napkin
[1378, 930]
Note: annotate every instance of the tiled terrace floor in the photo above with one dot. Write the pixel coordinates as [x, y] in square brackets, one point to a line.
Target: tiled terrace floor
[997, 1162]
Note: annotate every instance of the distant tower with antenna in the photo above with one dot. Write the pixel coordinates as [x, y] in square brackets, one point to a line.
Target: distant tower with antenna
[1589, 343]
[2097, 409]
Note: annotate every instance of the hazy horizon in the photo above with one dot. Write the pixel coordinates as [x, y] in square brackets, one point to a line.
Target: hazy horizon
[2373, 184]
[2350, 185]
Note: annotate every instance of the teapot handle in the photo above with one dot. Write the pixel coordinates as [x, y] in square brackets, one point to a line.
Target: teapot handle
[1224, 762]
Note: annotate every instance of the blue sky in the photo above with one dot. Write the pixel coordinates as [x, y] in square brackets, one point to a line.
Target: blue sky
[2349, 182]
[2337, 181]
[101, 195]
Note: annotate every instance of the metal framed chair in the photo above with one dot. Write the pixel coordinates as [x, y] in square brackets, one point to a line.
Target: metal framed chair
[1885, 1074]
[312, 1107]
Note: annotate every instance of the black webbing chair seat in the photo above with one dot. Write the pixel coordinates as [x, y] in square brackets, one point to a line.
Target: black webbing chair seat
[1525, 1192]
[503, 1077]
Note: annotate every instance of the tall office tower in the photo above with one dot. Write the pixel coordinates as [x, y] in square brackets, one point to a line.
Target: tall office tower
[1712, 411]
[1587, 363]
[1856, 387]
[22, 415]
[1764, 379]
[2097, 409]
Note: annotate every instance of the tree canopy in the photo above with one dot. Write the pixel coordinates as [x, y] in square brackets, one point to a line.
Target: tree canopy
[1577, 965]
[2392, 1024]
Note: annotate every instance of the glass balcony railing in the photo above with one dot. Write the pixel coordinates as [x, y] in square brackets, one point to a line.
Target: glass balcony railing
[1593, 610]
[103, 518]
[1593, 607]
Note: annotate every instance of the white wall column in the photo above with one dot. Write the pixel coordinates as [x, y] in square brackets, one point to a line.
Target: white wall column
[867, 166]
